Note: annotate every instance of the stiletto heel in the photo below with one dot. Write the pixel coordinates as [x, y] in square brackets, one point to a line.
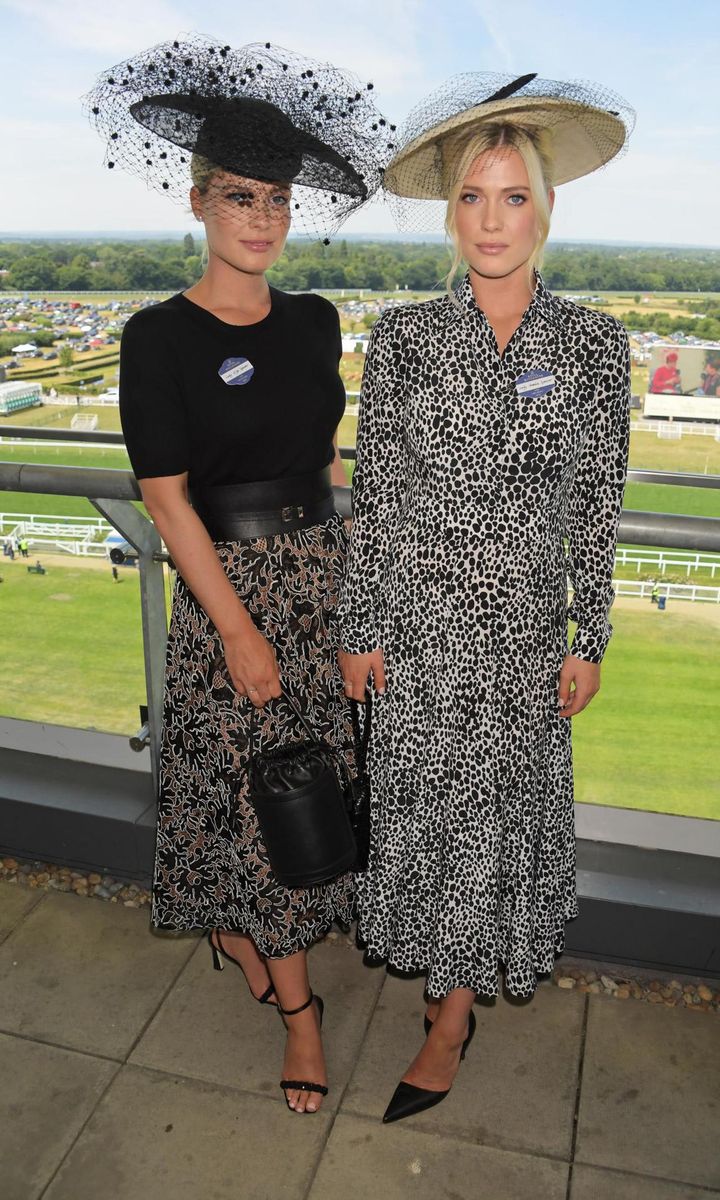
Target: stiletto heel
[218, 954]
[303, 1085]
[407, 1099]
[472, 1026]
[218, 963]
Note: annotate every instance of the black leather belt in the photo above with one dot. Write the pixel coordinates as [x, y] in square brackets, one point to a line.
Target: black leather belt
[235, 512]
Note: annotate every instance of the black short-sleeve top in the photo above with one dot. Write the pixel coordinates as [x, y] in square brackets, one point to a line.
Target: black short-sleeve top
[231, 403]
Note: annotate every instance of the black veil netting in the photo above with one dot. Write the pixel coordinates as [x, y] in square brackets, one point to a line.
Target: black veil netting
[582, 125]
[259, 111]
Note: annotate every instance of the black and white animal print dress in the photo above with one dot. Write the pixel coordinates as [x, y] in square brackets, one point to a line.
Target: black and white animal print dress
[472, 469]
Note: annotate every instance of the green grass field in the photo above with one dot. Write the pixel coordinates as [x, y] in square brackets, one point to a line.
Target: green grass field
[68, 456]
[71, 646]
[649, 739]
[661, 497]
[59, 416]
[72, 654]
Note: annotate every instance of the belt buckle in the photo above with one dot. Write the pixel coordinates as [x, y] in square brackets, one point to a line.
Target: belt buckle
[291, 511]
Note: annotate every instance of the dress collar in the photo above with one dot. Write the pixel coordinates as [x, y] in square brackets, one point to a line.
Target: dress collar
[542, 305]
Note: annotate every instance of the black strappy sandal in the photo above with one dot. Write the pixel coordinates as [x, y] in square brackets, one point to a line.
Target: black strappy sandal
[303, 1085]
[218, 964]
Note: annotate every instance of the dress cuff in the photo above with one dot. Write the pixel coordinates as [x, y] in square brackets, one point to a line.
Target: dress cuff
[590, 644]
[357, 633]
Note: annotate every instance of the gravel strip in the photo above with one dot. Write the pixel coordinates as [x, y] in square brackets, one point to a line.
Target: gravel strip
[625, 983]
[698, 995]
[51, 877]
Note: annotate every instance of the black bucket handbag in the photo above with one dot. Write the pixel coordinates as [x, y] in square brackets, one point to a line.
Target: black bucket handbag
[302, 793]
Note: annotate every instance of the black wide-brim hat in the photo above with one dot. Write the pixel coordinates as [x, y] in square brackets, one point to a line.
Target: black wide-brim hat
[249, 137]
[259, 111]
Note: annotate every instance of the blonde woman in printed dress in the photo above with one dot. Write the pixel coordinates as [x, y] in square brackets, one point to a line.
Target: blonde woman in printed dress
[230, 398]
[493, 426]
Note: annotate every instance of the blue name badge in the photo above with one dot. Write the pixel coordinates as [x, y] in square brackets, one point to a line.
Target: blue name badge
[236, 371]
[534, 383]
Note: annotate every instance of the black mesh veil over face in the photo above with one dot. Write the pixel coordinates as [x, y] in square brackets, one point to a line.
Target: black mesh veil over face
[261, 113]
[580, 126]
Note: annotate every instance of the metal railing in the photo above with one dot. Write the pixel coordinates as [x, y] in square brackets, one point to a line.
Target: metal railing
[114, 494]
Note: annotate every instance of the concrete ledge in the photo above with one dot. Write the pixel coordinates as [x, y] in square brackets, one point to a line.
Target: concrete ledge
[82, 814]
[658, 909]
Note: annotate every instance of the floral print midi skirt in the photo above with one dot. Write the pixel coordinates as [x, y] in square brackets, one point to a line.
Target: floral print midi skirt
[211, 867]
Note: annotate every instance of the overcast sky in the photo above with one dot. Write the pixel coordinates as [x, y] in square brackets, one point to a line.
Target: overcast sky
[662, 57]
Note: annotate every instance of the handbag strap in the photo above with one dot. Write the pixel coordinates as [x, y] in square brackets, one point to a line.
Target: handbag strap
[297, 711]
[362, 739]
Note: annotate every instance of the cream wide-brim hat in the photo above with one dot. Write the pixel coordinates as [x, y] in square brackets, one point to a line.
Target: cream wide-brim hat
[584, 129]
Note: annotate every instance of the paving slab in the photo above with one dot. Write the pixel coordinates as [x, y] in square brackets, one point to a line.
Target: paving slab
[159, 1137]
[515, 1090]
[209, 1027]
[16, 901]
[86, 974]
[46, 1097]
[595, 1183]
[650, 1099]
[364, 1158]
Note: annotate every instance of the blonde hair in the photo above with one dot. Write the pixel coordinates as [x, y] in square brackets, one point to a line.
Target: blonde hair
[202, 171]
[533, 147]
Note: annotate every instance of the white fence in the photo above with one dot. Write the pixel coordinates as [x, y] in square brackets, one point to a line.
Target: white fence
[643, 589]
[679, 429]
[661, 561]
[59, 441]
[9, 520]
[80, 536]
[79, 401]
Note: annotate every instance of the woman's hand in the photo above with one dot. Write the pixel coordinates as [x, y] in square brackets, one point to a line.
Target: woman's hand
[252, 665]
[356, 668]
[585, 677]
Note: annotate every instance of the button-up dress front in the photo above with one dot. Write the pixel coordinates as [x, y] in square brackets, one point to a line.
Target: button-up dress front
[473, 469]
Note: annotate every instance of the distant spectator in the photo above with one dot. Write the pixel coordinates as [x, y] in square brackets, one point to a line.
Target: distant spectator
[115, 575]
[23, 546]
[667, 378]
[8, 549]
[711, 378]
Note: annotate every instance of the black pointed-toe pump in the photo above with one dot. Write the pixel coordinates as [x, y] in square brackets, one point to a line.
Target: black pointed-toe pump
[408, 1100]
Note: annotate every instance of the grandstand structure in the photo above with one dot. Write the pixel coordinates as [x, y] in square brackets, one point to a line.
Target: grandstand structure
[16, 396]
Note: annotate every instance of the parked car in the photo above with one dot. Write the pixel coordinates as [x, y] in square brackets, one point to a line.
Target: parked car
[50, 354]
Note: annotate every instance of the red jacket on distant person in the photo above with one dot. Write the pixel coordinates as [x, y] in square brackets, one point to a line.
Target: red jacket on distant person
[666, 379]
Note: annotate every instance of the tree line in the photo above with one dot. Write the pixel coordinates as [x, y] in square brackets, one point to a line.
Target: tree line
[174, 264]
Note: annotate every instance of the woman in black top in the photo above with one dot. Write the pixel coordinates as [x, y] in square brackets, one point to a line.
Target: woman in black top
[236, 383]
